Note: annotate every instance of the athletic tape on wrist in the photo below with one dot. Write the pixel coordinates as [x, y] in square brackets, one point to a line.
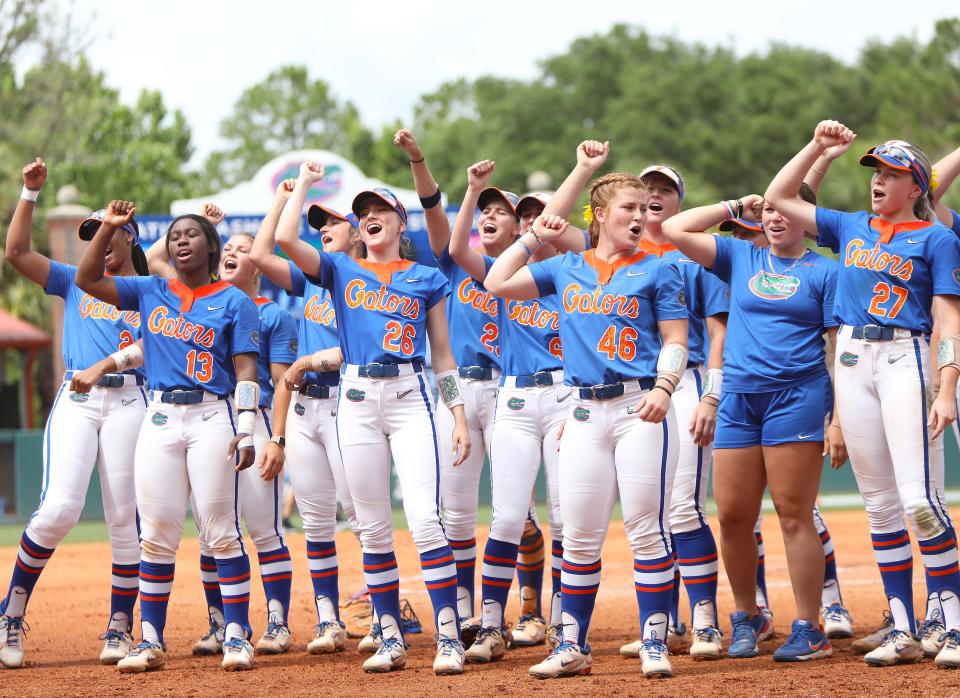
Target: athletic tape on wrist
[128, 357]
[448, 384]
[247, 397]
[671, 362]
[713, 384]
[246, 424]
[29, 194]
[948, 351]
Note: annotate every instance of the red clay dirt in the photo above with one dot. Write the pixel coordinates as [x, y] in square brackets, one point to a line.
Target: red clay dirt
[70, 608]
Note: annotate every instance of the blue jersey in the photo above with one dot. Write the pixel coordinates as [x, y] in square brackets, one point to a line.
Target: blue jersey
[92, 329]
[707, 296]
[777, 318]
[608, 323]
[472, 317]
[381, 308]
[318, 328]
[955, 222]
[889, 273]
[191, 335]
[278, 344]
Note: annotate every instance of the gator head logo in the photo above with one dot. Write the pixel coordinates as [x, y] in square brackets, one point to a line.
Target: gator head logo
[299, 409]
[848, 359]
[159, 418]
[773, 287]
[581, 414]
[516, 403]
[354, 395]
[79, 397]
[956, 275]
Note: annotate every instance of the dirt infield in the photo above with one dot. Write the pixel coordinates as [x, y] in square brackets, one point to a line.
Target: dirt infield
[70, 608]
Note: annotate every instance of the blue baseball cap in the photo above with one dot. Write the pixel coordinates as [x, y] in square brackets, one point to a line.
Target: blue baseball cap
[384, 195]
[667, 172]
[91, 224]
[897, 155]
[317, 216]
[490, 193]
[752, 226]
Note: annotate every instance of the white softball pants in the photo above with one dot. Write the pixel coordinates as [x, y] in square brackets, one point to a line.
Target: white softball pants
[688, 500]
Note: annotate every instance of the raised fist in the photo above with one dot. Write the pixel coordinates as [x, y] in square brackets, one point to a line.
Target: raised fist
[592, 154]
[830, 133]
[406, 140]
[479, 174]
[549, 227]
[118, 213]
[35, 174]
[311, 172]
[212, 213]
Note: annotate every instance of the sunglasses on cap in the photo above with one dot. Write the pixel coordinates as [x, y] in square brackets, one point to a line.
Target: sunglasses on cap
[899, 156]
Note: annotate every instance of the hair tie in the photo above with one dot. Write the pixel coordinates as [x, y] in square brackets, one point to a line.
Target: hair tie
[588, 214]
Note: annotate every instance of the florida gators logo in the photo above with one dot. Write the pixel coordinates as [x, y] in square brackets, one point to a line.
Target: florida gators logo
[849, 359]
[299, 409]
[79, 397]
[354, 395]
[956, 275]
[581, 414]
[159, 418]
[516, 403]
[773, 287]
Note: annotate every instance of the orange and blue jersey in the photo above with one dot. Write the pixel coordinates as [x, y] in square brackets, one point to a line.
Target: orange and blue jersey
[777, 317]
[190, 336]
[278, 344]
[472, 315]
[381, 308]
[955, 222]
[889, 273]
[609, 313]
[707, 296]
[92, 329]
[318, 327]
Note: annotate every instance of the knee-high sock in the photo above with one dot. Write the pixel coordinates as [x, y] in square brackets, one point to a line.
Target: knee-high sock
[943, 574]
[697, 559]
[499, 560]
[530, 569]
[31, 559]
[580, 583]
[654, 581]
[440, 575]
[276, 573]
[211, 586]
[556, 552]
[831, 583]
[234, 574]
[895, 560]
[762, 599]
[383, 580]
[156, 583]
[465, 554]
[324, 574]
[123, 592]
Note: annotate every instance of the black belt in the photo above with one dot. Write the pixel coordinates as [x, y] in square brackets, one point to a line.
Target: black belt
[317, 392]
[109, 380]
[538, 379]
[476, 373]
[612, 390]
[378, 370]
[878, 333]
[185, 397]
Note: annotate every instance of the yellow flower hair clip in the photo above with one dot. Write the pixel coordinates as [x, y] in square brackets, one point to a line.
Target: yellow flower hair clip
[588, 214]
[934, 179]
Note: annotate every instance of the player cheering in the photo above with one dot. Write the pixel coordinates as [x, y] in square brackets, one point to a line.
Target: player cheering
[899, 271]
[200, 344]
[385, 307]
[95, 417]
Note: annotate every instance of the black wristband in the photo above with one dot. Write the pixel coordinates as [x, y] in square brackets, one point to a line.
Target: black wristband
[432, 200]
[663, 389]
[414, 162]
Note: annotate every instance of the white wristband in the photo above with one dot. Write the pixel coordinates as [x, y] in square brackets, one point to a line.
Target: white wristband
[246, 424]
[713, 384]
[29, 194]
[448, 385]
[130, 357]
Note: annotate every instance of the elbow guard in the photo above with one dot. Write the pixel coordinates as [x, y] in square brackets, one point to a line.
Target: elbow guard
[128, 357]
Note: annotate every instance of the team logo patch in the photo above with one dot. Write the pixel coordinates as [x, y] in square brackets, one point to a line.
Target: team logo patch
[516, 403]
[682, 298]
[581, 414]
[255, 337]
[79, 397]
[354, 395]
[159, 418]
[294, 345]
[299, 409]
[849, 359]
[956, 275]
[773, 287]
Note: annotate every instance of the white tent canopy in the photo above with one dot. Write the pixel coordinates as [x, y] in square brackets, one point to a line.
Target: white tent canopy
[342, 181]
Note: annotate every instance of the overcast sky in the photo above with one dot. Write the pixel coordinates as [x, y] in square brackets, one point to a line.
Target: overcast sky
[382, 55]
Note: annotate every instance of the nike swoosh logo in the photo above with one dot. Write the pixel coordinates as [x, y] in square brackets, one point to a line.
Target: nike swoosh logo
[561, 399]
[815, 647]
[686, 261]
[636, 273]
[216, 307]
[403, 394]
[894, 359]
[803, 436]
[412, 281]
[913, 242]
[127, 402]
[207, 416]
[446, 622]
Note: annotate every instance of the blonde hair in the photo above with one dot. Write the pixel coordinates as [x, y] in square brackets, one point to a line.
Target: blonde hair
[923, 208]
[602, 192]
[258, 274]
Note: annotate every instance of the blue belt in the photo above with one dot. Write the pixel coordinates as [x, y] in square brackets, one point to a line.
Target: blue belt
[378, 370]
[317, 392]
[109, 380]
[878, 333]
[185, 397]
[612, 390]
[476, 373]
[540, 378]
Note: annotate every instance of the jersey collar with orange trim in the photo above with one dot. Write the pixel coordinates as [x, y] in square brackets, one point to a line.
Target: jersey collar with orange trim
[188, 295]
[606, 270]
[261, 300]
[655, 249]
[887, 230]
[384, 271]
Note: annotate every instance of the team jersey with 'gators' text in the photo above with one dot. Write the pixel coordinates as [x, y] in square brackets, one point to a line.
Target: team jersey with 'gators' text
[889, 273]
[318, 328]
[190, 336]
[381, 308]
[707, 296]
[777, 317]
[609, 313]
[92, 329]
[472, 314]
[278, 344]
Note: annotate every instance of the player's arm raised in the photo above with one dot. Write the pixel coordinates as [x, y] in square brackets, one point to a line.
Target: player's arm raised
[158, 256]
[471, 261]
[19, 253]
[262, 252]
[685, 230]
[784, 191]
[590, 157]
[448, 383]
[818, 171]
[301, 253]
[947, 170]
[90, 270]
[438, 226]
[509, 277]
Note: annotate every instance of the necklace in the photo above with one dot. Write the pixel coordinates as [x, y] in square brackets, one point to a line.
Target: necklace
[786, 271]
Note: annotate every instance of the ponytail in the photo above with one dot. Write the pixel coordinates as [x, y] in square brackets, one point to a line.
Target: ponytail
[139, 260]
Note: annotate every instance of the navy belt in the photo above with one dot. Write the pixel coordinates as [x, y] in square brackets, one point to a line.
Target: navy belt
[540, 378]
[878, 333]
[317, 392]
[109, 380]
[185, 397]
[612, 390]
[378, 370]
[476, 373]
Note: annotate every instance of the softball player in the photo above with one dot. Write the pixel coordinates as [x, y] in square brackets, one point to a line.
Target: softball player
[384, 306]
[898, 271]
[770, 422]
[96, 406]
[200, 343]
[616, 304]
[309, 429]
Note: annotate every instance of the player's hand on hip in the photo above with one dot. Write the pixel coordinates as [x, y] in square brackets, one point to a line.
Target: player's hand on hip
[653, 407]
[943, 413]
[703, 423]
[271, 463]
[835, 446]
[83, 381]
[461, 443]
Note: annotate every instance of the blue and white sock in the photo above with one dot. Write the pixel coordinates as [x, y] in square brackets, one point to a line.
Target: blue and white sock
[383, 581]
[499, 561]
[895, 560]
[579, 585]
[440, 575]
[234, 574]
[276, 573]
[697, 559]
[653, 580]
[325, 574]
[31, 559]
[156, 583]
